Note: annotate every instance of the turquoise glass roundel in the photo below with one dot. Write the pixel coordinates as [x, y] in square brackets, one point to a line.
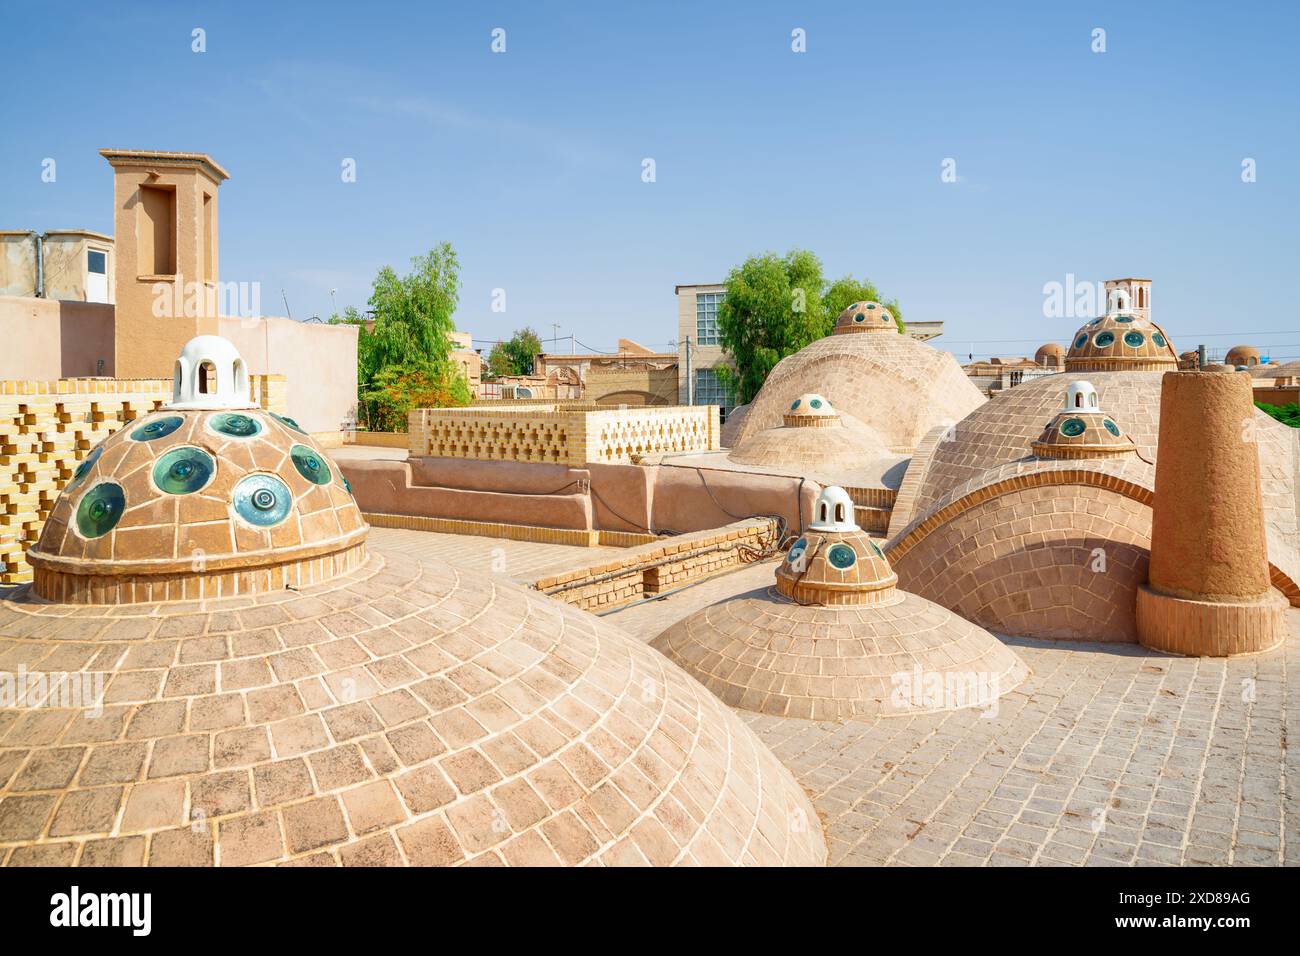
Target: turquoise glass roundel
[1073, 427]
[83, 469]
[859, 317]
[1104, 339]
[263, 500]
[1159, 339]
[289, 422]
[183, 471]
[797, 550]
[816, 403]
[310, 464]
[796, 404]
[1081, 341]
[158, 428]
[1111, 427]
[100, 509]
[1134, 340]
[235, 425]
[841, 556]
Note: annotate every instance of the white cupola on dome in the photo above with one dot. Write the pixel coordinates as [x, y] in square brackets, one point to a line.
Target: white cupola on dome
[833, 511]
[1081, 397]
[210, 374]
[1120, 301]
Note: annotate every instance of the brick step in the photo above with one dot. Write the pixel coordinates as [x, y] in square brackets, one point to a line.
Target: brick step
[871, 518]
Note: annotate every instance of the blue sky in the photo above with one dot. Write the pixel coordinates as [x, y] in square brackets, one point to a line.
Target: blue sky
[529, 162]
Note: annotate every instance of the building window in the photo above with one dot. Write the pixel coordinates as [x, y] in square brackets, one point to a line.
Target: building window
[706, 317]
[709, 390]
[97, 262]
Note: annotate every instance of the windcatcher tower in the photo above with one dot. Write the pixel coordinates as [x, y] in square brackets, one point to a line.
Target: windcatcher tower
[1208, 592]
[165, 224]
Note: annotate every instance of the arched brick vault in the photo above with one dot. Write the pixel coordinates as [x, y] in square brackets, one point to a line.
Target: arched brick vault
[1054, 552]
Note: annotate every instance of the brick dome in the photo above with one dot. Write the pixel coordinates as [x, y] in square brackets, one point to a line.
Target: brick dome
[989, 479]
[1081, 429]
[813, 439]
[896, 386]
[191, 503]
[1051, 355]
[1242, 355]
[249, 686]
[1120, 341]
[810, 410]
[835, 638]
[865, 317]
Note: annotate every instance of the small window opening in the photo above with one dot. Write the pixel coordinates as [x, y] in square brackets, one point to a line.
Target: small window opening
[207, 378]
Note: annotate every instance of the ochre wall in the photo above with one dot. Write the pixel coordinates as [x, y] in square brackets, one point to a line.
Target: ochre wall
[44, 339]
[318, 363]
[605, 497]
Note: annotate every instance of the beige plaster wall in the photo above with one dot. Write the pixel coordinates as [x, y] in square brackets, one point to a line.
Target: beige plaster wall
[319, 363]
[46, 339]
[17, 263]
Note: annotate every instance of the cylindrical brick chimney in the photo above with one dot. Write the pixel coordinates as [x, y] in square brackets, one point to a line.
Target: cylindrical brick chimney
[1208, 590]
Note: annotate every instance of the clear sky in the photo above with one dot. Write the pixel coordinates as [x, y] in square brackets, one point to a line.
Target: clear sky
[529, 162]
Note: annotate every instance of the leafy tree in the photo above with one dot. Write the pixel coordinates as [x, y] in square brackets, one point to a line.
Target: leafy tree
[842, 293]
[516, 355]
[773, 307]
[397, 389]
[404, 362]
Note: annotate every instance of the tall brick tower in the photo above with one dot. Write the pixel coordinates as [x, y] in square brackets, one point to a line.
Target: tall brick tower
[165, 224]
[1208, 591]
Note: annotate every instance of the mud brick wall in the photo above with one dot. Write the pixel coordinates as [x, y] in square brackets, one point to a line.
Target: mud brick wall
[660, 566]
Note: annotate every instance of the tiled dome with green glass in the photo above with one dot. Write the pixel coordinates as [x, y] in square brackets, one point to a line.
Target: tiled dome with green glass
[1120, 340]
[196, 494]
[1081, 429]
[865, 317]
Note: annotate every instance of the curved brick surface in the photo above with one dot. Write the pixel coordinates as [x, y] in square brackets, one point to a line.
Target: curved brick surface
[842, 445]
[1002, 431]
[763, 652]
[1027, 563]
[406, 713]
[893, 384]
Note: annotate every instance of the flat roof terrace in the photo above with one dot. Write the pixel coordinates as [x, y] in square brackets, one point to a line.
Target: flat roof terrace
[1108, 755]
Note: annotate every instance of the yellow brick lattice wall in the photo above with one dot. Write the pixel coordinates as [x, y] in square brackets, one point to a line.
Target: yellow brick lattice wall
[558, 434]
[47, 428]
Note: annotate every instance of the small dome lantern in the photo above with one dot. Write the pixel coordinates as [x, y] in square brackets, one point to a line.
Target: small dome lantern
[1081, 396]
[210, 374]
[833, 511]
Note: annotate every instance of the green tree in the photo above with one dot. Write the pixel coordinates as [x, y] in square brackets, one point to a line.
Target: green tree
[515, 356]
[403, 362]
[842, 293]
[773, 307]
